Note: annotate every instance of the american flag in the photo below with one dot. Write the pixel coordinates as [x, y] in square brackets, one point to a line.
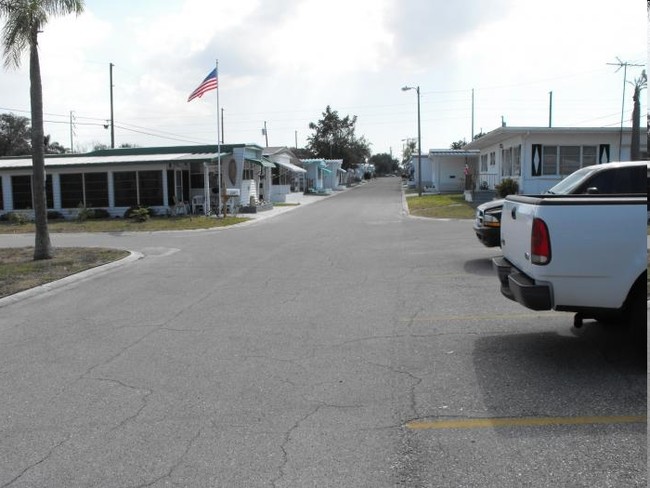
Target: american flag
[210, 83]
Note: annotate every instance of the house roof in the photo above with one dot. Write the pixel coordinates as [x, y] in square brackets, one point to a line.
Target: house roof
[454, 152]
[503, 133]
[272, 151]
[141, 155]
[87, 160]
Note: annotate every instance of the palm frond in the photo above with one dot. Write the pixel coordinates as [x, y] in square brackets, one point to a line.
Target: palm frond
[25, 18]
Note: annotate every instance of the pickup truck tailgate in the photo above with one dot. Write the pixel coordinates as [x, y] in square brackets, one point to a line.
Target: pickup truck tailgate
[516, 226]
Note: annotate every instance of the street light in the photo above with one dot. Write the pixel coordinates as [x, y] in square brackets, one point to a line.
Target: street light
[417, 90]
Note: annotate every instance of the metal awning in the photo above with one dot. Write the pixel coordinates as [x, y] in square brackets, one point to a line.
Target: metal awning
[325, 170]
[82, 160]
[341, 170]
[262, 162]
[291, 167]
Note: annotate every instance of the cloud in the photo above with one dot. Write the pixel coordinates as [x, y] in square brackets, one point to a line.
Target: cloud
[283, 61]
[427, 31]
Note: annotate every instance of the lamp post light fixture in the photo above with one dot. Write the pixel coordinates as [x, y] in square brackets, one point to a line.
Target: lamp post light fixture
[417, 90]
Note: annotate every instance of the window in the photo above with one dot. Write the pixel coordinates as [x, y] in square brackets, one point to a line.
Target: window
[170, 187]
[549, 160]
[616, 181]
[493, 158]
[72, 193]
[484, 162]
[506, 159]
[96, 187]
[516, 160]
[564, 160]
[126, 190]
[49, 193]
[589, 155]
[21, 188]
[151, 187]
[71, 190]
[569, 159]
[196, 180]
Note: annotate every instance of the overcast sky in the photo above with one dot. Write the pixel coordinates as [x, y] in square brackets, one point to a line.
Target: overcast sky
[284, 61]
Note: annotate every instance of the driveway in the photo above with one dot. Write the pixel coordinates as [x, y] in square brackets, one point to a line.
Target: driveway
[319, 347]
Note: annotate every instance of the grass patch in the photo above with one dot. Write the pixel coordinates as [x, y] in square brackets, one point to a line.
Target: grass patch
[125, 225]
[441, 206]
[285, 204]
[19, 271]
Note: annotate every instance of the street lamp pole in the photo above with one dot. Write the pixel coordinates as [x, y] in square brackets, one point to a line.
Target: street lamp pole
[417, 90]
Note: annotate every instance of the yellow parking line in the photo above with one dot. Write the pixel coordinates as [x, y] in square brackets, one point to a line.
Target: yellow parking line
[480, 423]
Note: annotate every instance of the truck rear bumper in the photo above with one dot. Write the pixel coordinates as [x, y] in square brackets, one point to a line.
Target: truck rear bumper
[520, 288]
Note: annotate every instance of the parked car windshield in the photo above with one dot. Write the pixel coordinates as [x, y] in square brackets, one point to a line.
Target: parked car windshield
[568, 184]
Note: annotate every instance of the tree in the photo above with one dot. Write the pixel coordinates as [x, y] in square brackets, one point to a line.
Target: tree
[459, 144]
[384, 163]
[53, 147]
[334, 138]
[15, 135]
[639, 84]
[410, 149]
[24, 19]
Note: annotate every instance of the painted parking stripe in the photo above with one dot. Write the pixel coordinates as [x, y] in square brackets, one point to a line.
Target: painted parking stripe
[481, 423]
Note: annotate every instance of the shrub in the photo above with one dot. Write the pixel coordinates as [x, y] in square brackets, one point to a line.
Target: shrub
[134, 208]
[100, 213]
[16, 218]
[84, 213]
[139, 214]
[508, 186]
[54, 215]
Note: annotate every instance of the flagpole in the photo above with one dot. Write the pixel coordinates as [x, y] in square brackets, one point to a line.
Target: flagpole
[218, 147]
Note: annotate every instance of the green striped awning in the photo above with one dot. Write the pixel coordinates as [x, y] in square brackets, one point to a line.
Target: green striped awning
[266, 163]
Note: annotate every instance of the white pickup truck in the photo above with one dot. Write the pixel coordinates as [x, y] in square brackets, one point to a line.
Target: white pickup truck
[580, 253]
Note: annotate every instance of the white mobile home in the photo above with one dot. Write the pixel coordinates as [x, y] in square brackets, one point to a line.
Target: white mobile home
[443, 170]
[163, 178]
[538, 157]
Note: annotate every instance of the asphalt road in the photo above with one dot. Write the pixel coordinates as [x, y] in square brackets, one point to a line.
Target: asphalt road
[321, 347]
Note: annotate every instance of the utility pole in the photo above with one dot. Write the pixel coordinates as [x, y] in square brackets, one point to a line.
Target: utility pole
[296, 136]
[71, 131]
[624, 65]
[472, 115]
[112, 120]
[266, 134]
[550, 109]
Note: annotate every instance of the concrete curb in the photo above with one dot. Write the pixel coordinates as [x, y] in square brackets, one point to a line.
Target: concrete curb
[73, 278]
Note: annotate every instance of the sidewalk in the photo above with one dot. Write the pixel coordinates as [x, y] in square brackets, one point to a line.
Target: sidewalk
[294, 200]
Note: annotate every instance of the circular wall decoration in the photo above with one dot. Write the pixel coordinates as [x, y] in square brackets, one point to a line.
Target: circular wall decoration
[232, 171]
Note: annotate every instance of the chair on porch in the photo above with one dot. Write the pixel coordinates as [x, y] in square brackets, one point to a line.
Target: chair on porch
[198, 203]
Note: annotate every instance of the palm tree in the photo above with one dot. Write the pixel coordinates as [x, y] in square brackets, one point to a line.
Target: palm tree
[639, 84]
[24, 19]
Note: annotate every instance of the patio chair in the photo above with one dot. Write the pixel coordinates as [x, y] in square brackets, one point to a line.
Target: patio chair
[198, 203]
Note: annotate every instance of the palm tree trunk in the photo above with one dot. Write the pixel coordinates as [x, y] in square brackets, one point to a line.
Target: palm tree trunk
[42, 245]
[635, 149]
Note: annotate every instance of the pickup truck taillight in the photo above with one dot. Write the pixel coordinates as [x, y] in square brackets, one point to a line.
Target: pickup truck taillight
[540, 243]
